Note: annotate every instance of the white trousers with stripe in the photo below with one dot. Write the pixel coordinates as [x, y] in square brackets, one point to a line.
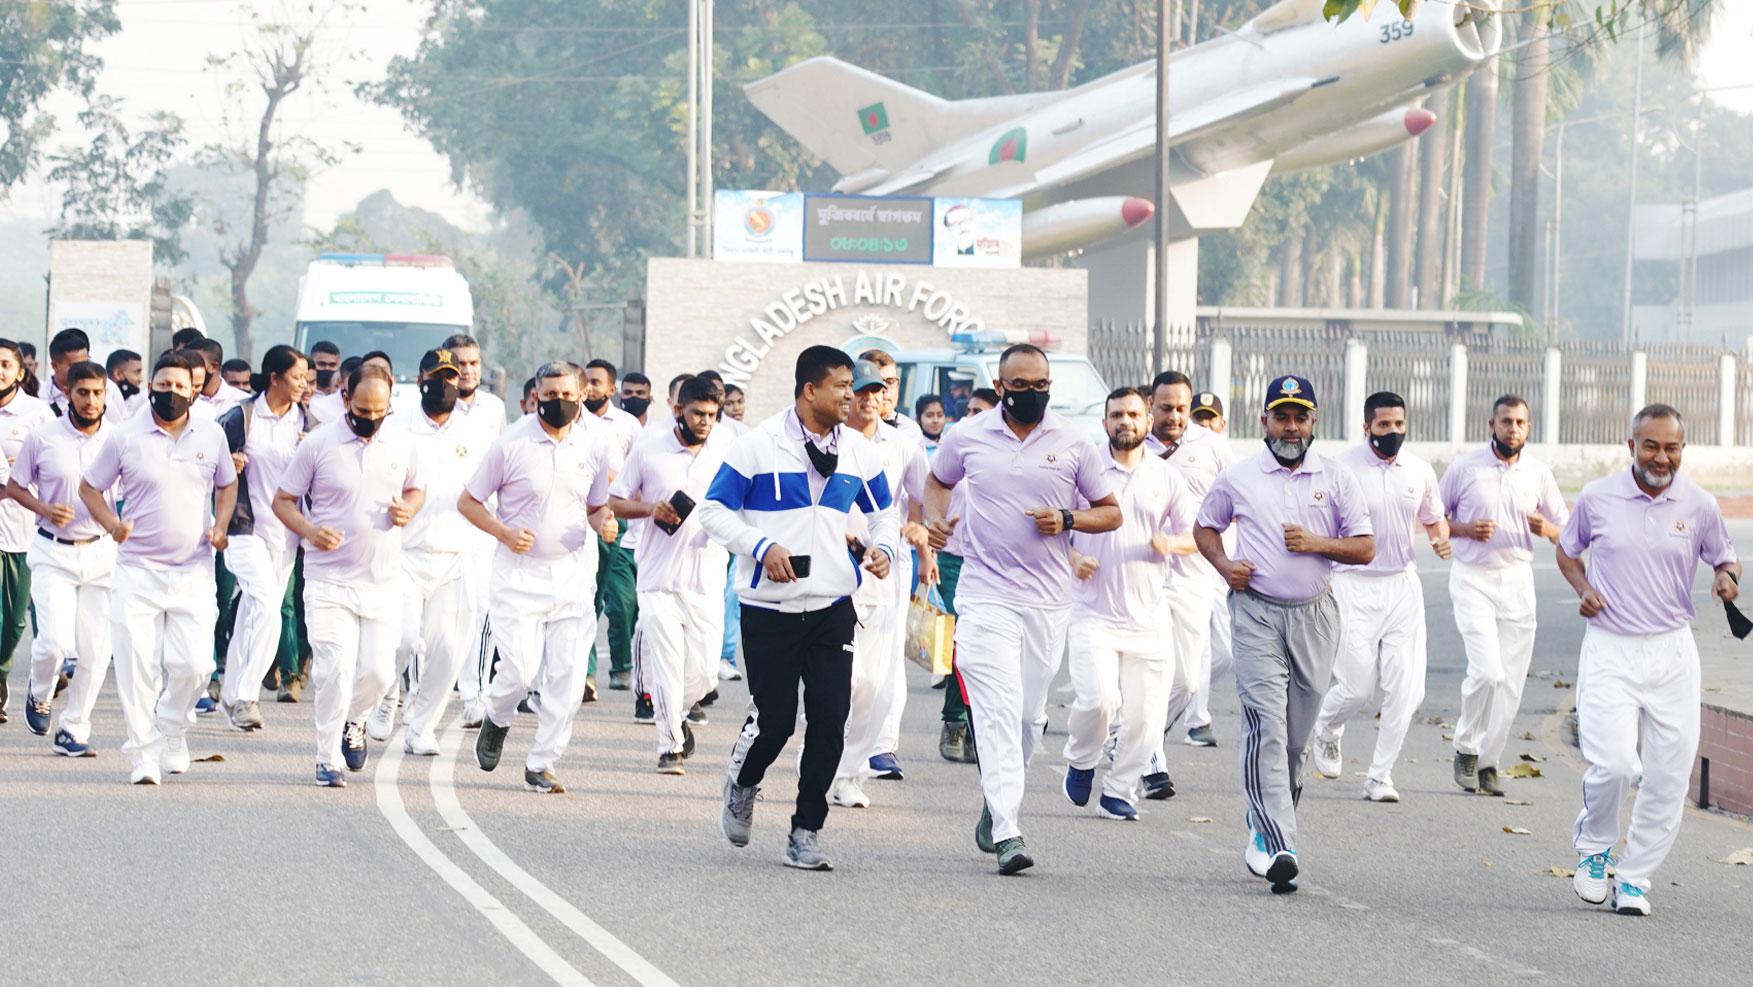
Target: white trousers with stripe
[1008, 654]
[1381, 640]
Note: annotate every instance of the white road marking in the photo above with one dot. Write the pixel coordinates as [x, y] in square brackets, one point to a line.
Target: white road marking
[451, 810]
[389, 802]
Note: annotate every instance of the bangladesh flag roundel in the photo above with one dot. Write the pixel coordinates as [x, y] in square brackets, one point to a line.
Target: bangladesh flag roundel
[1012, 145]
[873, 118]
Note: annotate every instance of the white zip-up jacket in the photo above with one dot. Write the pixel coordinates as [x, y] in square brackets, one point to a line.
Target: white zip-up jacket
[767, 494]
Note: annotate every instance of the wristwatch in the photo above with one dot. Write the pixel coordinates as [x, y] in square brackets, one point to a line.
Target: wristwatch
[1066, 518]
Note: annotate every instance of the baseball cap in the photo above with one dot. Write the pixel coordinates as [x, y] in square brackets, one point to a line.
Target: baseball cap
[1290, 389]
[1207, 403]
[439, 359]
[866, 374]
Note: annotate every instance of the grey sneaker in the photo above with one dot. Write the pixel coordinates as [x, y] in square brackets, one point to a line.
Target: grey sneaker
[1467, 771]
[804, 851]
[489, 744]
[1488, 782]
[246, 715]
[1013, 856]
[738, 817]
[544, 781]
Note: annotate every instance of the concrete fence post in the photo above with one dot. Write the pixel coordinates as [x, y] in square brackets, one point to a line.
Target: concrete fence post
[1357, 362]
[1725, 401]
[1640, 380]
[1552, 396]
[1218, 372]
[1458, 393]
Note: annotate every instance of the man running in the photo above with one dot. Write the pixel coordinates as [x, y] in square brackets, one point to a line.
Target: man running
[1644, 531]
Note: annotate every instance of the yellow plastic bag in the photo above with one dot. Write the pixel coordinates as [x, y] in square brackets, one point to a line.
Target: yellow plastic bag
[931, 631]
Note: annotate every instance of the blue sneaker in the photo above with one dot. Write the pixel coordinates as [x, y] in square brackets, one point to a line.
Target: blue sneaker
[66, 746]
[328, 777]
[886, 766]
[206, 704]
[36, 714]
[1115, 808]
[1077, 784]
[353, 746]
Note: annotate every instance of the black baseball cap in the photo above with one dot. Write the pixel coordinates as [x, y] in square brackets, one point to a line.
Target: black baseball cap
[437, 360]
[1207, 403]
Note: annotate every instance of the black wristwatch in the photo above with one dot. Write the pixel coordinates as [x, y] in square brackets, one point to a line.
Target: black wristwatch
[1067, 519]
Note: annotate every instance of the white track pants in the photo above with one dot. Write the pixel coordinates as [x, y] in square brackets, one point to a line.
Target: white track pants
[1215, 659]
[876, 667]
[1007, 654]
[161, 626]
[70, 589]
[1191, 606]
[675, 656]
[478, 645]
[438, 609]
[262, 570]
[353, 635]
[543, 616]
[1381, 639]
[1637, 720]
[1125, 673]
[889, 741]
[1494, 611]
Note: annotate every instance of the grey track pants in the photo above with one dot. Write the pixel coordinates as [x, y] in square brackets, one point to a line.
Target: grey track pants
[1284, 653]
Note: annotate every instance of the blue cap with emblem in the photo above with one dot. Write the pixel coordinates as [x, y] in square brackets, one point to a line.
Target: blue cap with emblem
[1290, 389]
[866, 374]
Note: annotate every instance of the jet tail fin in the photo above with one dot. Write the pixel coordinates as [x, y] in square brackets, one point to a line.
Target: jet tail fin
[858, 121]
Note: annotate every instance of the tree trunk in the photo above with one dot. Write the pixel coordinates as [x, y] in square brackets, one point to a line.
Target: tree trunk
[1528, 131]
[242, 262]
[1452, 211]
[1481, 120]
[1068, 42]
[1031, 44]
[1402, 216]
[1354, 281]
[1378, 297]
[1290, 272]
[1433, 164]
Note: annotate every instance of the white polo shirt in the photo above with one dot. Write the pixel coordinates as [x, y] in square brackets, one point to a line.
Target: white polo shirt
[549, 485]
[687, 561]
[270, 444]
[167, 485]
[448, 454]
[18, 418]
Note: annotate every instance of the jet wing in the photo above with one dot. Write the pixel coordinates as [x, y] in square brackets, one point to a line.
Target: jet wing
[1139, 140]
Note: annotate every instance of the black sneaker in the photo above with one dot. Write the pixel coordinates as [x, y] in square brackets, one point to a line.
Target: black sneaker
[620, 681]
[1488, 782]
[670, 763]
[687, 741]
[544, 781]
[353, 746]
[953, 742]
[709, 698]
[1158, 786]
[490, 744]
[697, 715]
[1013, 856]
[1467, 771]
[643, 711]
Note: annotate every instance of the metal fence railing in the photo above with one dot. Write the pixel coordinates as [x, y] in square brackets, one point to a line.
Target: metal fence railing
[1685, 376]
[1595, 393]
[1261, 353]
[1744, 400]
[1414, 365]
[1124, 352]
[1500, 366]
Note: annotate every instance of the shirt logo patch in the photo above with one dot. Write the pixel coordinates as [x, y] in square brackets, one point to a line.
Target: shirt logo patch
[1320, 496]
[1051, 459]
[1679, 526]
[462, 452]
[199, 456]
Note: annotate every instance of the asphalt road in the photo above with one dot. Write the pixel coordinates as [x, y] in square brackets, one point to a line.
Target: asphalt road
[430, 871]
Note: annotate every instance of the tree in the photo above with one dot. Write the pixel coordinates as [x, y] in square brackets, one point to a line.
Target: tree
[44, 46]
[1528, 143]
[116, 187]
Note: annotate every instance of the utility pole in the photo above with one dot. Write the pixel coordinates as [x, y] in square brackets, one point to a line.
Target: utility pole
[1164, 43]
[706, 32]
[693, 127]
[1631, 195]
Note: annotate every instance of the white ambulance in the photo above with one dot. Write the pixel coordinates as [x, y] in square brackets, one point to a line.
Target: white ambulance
[402, 304]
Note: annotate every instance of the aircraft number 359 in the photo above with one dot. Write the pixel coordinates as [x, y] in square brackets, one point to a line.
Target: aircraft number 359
[1396, 31]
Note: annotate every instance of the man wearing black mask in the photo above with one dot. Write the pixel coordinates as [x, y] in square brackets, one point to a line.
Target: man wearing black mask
[124, 369]
[616, 574]
[636, 395]
[1381, 605]
[325, 362]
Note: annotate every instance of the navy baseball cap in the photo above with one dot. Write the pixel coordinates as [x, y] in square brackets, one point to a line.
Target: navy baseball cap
[1290, 389]
[866, 374]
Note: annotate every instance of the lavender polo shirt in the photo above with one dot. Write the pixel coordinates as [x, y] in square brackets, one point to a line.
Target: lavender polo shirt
[19, 417]
[1130, 585]
[167, 486]
[1006, 559]
[53, 458]
[549, 485]
[1479, 486]
[1643, 551]
[1401, 496]
[349, 483]
[1260, 497]
[1200, 456]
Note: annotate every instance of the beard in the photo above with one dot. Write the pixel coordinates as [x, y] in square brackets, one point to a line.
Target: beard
[1289, 452]
[1125, 441]
[1655, 481]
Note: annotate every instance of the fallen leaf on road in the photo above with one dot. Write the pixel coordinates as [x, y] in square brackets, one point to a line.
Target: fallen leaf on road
[1528, 735]
[1517, 802]
[1742, 857]
[1543, 674]
[1560, 684]
[1448, 736]
[1198, 819]
[1435, 721]
[1535, 758]
[1517, 831]
[1522, 771]
[210, 757]
[1712, 688]
[1560, 871]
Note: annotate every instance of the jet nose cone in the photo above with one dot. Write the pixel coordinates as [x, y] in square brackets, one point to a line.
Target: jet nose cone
[1418, 120]
[1135, 211]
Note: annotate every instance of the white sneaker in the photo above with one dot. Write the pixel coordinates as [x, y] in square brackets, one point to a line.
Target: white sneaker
[1629, 899]
[473, 714]
[176, 755]
[145, 774]
[420, 745]
[382, 721]
[728, 672]
[1380, 791]
[1328, 762]
[1255, 855]
[1590, 881]
[849, 793]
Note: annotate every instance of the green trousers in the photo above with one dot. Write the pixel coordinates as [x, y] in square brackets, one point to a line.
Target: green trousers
[226, 585]
[14, 606]
[618, 596]
[293, 653]
[949, 569]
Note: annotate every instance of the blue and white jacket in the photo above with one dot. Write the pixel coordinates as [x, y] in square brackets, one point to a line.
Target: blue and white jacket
[767, 493]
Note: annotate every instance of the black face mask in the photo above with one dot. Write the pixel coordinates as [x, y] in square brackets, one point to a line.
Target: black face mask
[933, 436]
[365, 428]
[1028, 407]
[128, 390]
[80, 421]
[635, 406]
[438, 396]
[325, 379]
[687, 435]
[1505, 450]
[557, 412]
[824, 462]
[1388, 445]
[595, 405]
[7, 391]
[169, 405]
[467, 392]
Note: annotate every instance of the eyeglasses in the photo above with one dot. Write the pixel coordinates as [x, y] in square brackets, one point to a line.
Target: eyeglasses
[1019, 384]
[891, 381]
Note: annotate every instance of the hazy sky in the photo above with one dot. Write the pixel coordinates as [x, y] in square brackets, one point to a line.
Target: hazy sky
[159, 61]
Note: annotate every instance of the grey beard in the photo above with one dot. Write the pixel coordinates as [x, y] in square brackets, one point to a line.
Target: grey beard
[1649, 479]
[1289, 452]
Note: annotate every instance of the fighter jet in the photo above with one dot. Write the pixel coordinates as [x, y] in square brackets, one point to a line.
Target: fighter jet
[1286, 90]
